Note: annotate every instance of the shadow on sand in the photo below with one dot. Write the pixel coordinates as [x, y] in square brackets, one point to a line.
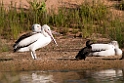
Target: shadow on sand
[68, 59]
[6, 59]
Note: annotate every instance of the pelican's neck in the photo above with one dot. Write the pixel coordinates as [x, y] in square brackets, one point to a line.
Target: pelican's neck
[44, 33]
[115, 44]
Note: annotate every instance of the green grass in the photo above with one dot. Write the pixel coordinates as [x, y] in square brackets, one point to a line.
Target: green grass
[88, 18]
[120, 5]
[4, 46]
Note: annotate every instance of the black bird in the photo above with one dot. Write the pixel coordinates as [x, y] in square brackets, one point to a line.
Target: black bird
[84, 51]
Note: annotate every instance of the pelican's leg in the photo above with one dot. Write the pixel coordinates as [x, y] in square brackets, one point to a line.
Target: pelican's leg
[33, 54]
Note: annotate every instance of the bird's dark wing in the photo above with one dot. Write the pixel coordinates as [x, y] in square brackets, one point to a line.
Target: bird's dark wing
[83, 53]
[24, 36]
[26, 40]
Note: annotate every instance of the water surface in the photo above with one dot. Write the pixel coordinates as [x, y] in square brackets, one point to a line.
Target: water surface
[77, 76]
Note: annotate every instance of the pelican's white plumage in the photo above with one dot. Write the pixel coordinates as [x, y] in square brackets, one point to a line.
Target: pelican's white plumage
[118, 52]
[40, 37]
[110, 49]
[109, 52]
[101, 47]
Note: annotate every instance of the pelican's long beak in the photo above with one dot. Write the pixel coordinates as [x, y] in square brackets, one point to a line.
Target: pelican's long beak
[50, 34]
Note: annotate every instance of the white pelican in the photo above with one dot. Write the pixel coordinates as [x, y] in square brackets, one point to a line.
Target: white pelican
[110, 49]
[40, 37]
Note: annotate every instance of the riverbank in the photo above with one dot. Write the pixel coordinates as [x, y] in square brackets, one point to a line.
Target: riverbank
[61, 57]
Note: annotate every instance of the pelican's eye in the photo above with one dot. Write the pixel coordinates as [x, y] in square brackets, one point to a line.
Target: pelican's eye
[37, 26]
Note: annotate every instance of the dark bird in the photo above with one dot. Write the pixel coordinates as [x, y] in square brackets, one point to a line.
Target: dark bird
[84, 51]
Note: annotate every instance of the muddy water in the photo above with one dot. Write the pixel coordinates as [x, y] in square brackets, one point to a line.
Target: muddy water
[76, 76]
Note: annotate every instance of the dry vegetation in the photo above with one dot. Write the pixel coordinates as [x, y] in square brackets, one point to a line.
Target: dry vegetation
[60, 57]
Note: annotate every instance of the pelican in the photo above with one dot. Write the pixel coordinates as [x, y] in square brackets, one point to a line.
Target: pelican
[84, 51]
[38, 38]
[110, 49]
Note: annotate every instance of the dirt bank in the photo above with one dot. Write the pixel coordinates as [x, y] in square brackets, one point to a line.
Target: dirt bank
[54, 57]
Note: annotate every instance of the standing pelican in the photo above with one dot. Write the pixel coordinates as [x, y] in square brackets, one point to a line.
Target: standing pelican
[40, 37]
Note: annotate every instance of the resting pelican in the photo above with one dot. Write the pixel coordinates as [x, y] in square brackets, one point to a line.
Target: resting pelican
[40, 37]
[110, 49]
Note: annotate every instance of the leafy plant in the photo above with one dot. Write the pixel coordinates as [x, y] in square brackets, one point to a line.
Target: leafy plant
[38, 10]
